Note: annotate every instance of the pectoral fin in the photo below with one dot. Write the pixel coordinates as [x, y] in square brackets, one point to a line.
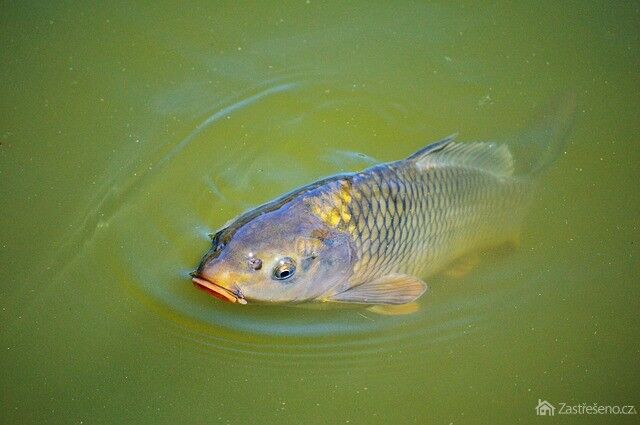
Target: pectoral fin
[391, 289]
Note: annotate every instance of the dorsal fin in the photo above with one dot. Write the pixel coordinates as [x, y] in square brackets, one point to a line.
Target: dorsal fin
[433, 147]
[487, 156]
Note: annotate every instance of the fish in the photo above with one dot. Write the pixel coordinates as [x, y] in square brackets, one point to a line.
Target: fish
[373, 237]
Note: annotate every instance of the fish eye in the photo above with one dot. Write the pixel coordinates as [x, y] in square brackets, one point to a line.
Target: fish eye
[285, 268]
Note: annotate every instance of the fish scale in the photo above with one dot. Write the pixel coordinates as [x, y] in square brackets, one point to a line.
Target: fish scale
[407, 220]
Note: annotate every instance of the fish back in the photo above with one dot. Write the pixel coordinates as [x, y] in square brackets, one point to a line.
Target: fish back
[416, 215]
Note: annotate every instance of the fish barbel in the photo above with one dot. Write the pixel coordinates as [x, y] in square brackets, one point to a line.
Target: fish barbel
[371, 237]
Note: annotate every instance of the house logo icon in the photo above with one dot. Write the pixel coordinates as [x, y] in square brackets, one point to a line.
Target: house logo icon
[544, 408]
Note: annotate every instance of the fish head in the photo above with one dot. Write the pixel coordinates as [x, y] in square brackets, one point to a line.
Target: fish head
[284, 256]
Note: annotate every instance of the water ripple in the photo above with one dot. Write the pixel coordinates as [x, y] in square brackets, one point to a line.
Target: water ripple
[148, 226]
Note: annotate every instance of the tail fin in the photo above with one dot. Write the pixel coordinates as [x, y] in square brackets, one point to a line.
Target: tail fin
[541, 145]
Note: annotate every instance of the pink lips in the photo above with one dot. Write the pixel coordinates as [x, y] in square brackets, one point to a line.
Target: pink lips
[217, 291]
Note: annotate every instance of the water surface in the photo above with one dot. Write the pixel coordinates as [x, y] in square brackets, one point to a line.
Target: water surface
[130, 133]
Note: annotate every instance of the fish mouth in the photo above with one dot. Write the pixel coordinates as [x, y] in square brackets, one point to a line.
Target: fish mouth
[218, 291]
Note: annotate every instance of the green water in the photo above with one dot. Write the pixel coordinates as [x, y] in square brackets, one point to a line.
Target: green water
[129, 132]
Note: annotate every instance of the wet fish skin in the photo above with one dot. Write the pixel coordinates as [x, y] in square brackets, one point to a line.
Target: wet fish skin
[371, 236]
[415, 216]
